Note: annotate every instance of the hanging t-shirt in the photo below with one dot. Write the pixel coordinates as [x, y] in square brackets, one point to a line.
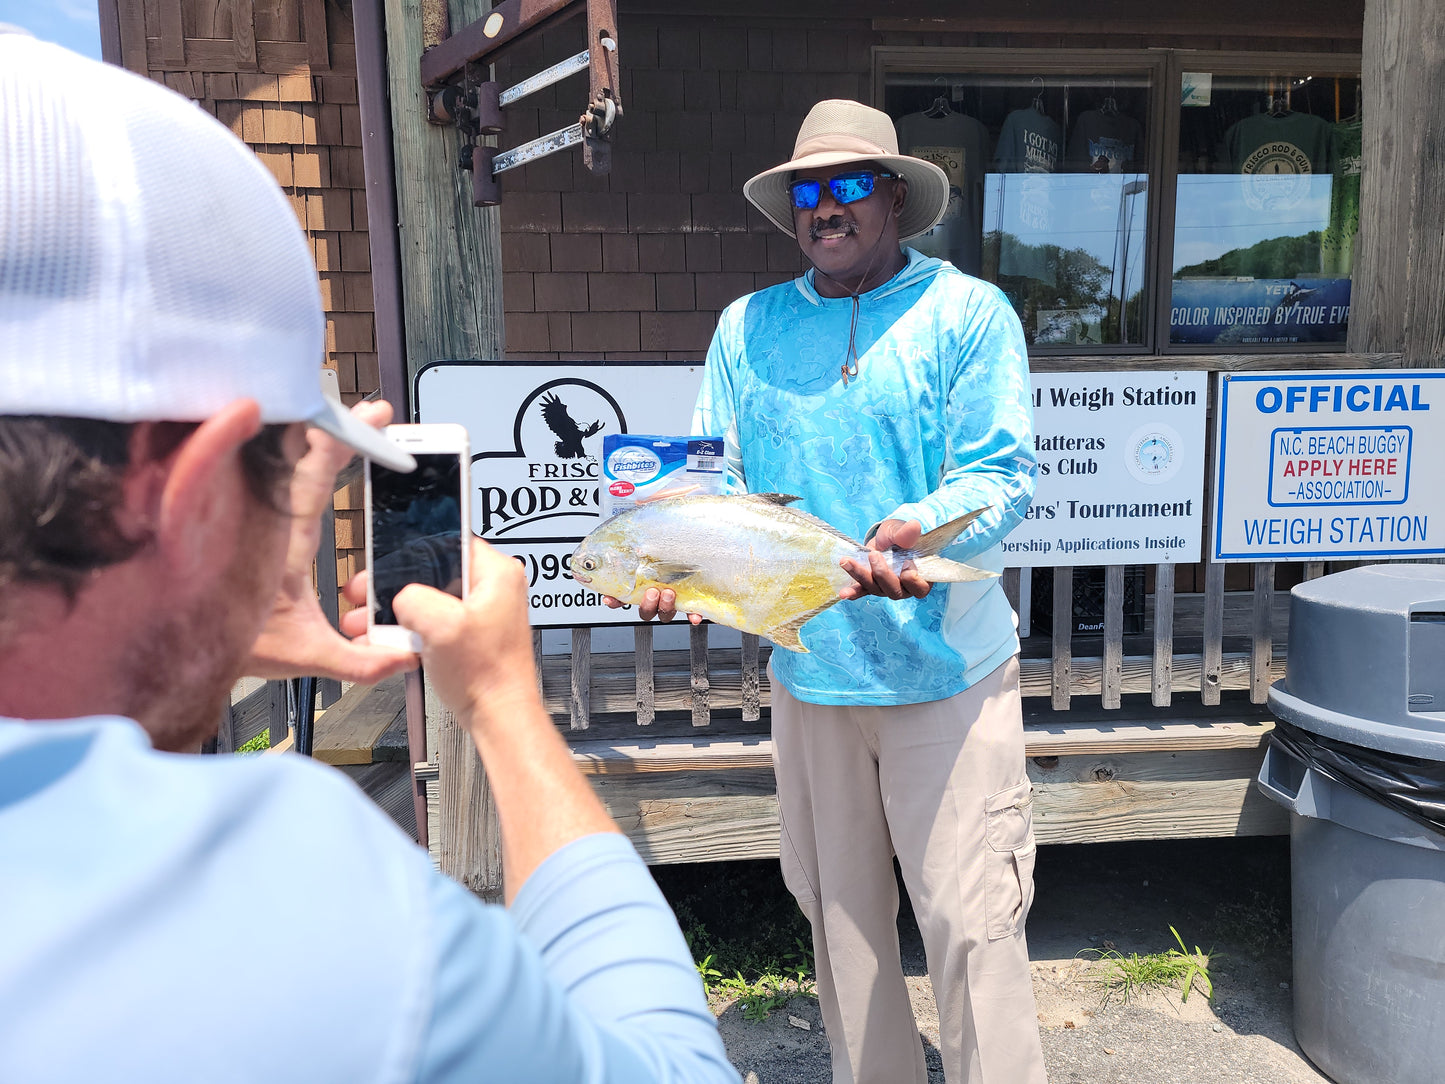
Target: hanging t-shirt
[1337, 243]
[1105, 143]
[957, 144]
[1029, 143]
[1278, 156]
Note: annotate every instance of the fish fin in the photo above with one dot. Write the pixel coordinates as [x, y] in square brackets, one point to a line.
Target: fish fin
[781, 499]
[826, 528]
[936, 539]
[942, 570]
[664, 571]
[786, 636]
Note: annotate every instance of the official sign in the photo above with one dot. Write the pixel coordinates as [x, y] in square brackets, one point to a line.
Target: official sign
[1315, 465]
[536, 433]
[1121, 470]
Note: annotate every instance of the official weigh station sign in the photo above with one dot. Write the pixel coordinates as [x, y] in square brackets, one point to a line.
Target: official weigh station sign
[536, 432]
[1121, 470]
[1316, 465]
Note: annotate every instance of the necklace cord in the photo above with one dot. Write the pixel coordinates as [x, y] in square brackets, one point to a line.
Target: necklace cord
[849, 368]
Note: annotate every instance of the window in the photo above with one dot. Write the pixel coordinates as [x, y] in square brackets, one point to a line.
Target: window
[1074, 188]
[1267, 207]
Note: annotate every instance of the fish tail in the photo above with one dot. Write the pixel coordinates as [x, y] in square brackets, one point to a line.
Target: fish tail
[942, 570]
[935, 540]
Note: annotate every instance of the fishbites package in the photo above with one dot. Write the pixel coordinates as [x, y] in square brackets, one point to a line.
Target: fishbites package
[638, 466]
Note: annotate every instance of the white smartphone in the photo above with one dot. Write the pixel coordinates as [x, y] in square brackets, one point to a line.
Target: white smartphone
[418, 525]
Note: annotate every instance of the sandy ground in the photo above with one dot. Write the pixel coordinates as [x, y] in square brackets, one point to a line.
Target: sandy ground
[1231, 895]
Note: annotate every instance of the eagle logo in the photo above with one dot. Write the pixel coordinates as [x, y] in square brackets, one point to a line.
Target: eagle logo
[569, 433]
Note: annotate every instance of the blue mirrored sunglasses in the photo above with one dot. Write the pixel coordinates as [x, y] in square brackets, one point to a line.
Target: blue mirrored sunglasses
[846, 188]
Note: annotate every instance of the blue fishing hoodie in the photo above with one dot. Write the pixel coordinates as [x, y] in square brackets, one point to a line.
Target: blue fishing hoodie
[937, 422]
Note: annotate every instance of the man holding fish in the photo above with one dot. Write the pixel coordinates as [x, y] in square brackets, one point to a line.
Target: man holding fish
[888, 394]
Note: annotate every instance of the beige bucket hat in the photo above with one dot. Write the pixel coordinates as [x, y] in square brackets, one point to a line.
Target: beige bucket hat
[836, 132]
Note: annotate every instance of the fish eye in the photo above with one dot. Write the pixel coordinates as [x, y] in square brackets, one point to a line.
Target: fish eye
[588, 564]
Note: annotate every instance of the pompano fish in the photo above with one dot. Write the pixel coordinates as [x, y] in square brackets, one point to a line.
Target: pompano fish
[749, 562]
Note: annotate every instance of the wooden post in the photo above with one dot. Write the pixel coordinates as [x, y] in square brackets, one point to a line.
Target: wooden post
[1399, 270]
[451, 252]
[751, 690]
[646, 691]
[1211, 675]
[470, 847]
[1063, 638]
[1262, 653]
[581, 698]
[1163, 670]
[451, 286]
[1113, 636]
[701, 684]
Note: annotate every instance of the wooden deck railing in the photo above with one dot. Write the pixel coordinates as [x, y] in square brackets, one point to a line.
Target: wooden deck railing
[706, 682]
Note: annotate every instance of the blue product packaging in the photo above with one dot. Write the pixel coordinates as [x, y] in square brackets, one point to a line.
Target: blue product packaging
[638, 466]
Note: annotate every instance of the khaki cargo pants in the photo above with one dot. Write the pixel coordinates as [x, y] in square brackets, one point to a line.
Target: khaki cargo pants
[942, 786]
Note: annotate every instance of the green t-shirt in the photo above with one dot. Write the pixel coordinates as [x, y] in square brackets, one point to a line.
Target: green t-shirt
[1337, 243]
[1278, 159]
[1293, 143]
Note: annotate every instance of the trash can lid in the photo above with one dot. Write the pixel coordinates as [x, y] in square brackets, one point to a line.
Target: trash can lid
[1366, 660]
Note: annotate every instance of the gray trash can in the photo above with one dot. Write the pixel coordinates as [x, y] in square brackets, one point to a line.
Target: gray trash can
[1365, 688]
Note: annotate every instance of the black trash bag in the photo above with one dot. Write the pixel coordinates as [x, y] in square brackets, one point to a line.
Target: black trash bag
[1408, 785]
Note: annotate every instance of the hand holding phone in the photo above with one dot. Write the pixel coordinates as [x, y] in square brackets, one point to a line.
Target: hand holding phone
[297, 639]
[417, 525]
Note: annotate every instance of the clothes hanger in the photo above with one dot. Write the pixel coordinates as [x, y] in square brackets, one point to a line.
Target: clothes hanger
[1279, 99]
[1110, 106]
[940, 107]
[1039, 97]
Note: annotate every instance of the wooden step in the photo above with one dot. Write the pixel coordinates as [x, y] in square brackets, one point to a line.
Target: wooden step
[1040, 740]
[691, 800]
[363, 726]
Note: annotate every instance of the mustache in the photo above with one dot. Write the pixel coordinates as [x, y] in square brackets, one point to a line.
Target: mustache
[837, 222]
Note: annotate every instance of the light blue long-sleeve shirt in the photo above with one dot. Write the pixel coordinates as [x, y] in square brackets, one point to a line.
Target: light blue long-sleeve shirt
[182, 919]
[938, 422]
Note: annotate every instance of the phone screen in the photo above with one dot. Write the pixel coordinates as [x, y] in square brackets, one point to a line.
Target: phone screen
[416, 529]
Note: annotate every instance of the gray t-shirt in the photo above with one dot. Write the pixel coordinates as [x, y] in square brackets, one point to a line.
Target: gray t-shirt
[957, 144]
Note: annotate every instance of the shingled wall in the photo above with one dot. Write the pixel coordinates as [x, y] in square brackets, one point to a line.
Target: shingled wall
[281, 74]
[638, 264]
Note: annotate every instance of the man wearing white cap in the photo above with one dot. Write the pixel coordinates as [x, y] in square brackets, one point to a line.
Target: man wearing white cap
[891, 393]
[160, 345]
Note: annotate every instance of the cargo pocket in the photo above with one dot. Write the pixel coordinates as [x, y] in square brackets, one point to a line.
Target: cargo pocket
[1008, 859]
[795, 876]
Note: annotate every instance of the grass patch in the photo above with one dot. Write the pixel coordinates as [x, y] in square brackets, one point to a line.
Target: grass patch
[260, 742]
[772, 989]
[745, 932]
[1123, 976]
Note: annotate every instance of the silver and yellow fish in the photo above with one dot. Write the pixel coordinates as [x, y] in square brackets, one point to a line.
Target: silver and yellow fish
[749, 562]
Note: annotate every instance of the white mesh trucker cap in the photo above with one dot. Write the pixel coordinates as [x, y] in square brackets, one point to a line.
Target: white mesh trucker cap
[150, 267]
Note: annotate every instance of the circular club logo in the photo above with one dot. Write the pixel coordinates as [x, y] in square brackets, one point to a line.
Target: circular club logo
[1276, 177]
[633, 464]
[621, 489]
[1152, 454]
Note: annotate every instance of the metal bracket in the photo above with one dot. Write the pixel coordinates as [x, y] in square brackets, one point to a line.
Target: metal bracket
[545, 78]
[475, 109]
[538, 148]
